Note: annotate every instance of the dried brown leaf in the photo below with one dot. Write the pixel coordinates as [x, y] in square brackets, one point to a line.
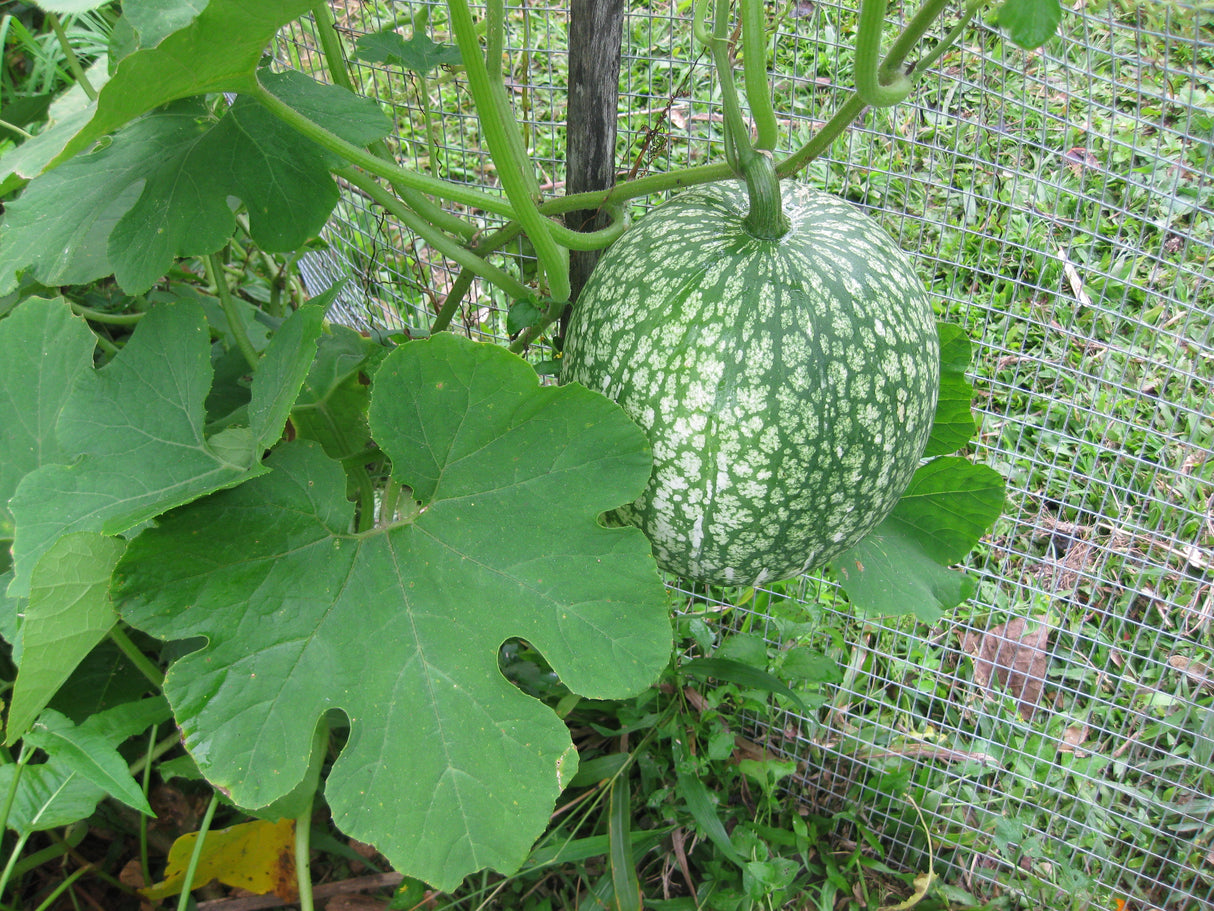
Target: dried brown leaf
[1016, 657]
[1197, 672]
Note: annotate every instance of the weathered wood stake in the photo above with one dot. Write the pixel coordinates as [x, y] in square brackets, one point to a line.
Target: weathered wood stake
[595, 33]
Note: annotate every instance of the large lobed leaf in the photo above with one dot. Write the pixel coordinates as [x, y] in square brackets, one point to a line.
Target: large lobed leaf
[901, 566]
[161, 188]
[448, 767]
[218, 51]
[133, 431]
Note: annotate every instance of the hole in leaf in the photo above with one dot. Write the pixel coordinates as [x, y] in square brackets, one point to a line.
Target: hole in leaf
[526, 668]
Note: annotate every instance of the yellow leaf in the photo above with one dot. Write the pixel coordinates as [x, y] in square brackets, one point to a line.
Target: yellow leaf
[923, 882]
[258, 856]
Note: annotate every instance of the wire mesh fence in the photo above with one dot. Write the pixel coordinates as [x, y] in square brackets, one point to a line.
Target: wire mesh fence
[1056, 731]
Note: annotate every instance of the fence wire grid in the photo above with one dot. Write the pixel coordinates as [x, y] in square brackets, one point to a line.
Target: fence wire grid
[1056, 730]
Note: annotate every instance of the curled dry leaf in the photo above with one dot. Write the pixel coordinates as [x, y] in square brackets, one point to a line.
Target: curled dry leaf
[1079, 158]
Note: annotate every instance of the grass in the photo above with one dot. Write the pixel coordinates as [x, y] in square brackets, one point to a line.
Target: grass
[34, 66]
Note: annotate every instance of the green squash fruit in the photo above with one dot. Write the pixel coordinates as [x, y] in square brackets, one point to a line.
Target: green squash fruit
[787, 387]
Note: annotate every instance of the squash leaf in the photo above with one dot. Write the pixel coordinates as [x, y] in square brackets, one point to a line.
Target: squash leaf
[44, 347]
[901, 566]
[160, 189]
[65, 117]
[218, 51]
[448, 767]
[135, 431]
[953, 425]
[419, 54]
[69, 612]
[155, 20]
[1030, 23]
[949, 505]
[332, 406]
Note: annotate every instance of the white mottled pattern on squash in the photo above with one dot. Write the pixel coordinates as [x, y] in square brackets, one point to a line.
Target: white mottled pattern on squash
[787, 387]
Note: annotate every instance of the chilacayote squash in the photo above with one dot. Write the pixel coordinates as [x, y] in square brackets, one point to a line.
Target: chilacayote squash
[787, 386]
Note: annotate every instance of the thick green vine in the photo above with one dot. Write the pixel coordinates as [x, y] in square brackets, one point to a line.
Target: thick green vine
[876, 84]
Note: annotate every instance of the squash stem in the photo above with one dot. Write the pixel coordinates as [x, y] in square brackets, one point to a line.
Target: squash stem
[738, 150]
[929, 59]
[821, 140]
[888, 73]
[374, 164]
[330, 47]
[501, 136]
[446, 245]
[339, 74]
[495, 33]
[661, 182]
[924, 18]
[766, 219]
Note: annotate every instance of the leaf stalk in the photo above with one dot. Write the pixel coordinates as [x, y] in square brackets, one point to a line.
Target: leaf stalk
[766, 219]
[136, 656]
[215, 274]
[459, 194]
[505, 148]
[754, 63]
[449, 247]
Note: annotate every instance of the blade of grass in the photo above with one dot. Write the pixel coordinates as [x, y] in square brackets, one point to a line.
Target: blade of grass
[699, 804]
[623, 870]
[183, 900]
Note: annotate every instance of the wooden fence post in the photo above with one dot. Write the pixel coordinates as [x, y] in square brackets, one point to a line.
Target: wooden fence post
[595, 33]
